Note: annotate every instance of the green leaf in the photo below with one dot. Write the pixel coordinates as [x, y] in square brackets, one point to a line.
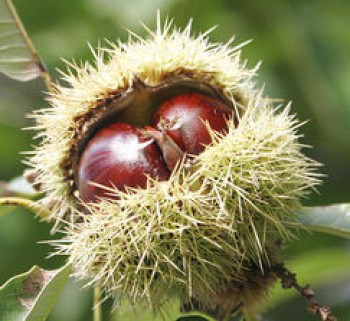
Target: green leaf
[333, 219]
[32, 295]
[18, 58]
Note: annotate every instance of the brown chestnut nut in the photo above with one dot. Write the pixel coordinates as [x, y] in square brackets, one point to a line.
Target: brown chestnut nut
[183, 118]
[118, 156]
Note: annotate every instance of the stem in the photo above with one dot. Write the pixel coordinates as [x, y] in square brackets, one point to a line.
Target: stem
[30, 205]
[97, 303]
[288, 281]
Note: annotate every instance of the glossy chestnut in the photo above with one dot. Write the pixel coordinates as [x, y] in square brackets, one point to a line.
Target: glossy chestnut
[118, 156]
[184, 119]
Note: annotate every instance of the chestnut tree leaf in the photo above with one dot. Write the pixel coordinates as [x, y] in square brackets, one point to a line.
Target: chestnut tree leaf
[332, 219]
[18, 58]
[32, 295]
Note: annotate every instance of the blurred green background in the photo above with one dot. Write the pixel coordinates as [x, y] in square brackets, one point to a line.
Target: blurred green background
[304, 47]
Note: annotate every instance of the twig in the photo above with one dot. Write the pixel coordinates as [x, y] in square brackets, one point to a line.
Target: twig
[97, 303]
[288, 281]
[30, 205]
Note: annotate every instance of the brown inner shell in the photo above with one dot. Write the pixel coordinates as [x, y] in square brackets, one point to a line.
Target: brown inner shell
[135, 105]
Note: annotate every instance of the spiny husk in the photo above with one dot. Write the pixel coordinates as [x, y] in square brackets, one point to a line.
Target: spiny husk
[205, 227]
[211, 228]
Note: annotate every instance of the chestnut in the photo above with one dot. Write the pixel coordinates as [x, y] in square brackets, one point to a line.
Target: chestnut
[183, 118]
[118, 156]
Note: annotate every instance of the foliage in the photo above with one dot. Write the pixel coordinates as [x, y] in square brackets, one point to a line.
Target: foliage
[333, 219]
[32, 295]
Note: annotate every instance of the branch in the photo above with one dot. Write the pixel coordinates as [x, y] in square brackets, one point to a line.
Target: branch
[288, 281]
[27, 204]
